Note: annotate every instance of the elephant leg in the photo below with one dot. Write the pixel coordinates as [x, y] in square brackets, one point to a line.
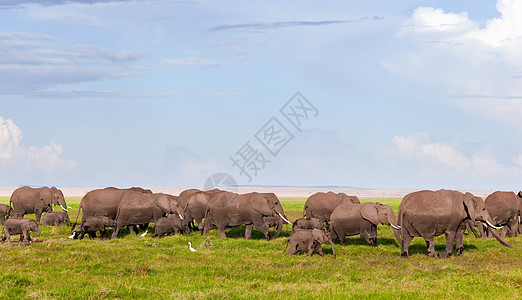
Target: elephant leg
[116, 231]
[248, 231]
[38, 216]
[459, 242]
[512, 227]
[310, 248]
[133, 230]
[221, 230]
[143, 226]
[430, 245]
[450, 241]
[405, 246]
[263, 227]
[21, 239]
[27, 236]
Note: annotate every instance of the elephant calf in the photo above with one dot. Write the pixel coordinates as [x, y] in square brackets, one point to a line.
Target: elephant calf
[21, 227]
[303, 223]
[310, 240]
[276, 223]
[167, 225]
[5, 213]
[92, 224]
[56, 218]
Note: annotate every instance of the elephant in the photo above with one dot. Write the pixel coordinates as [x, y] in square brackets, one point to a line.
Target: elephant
[309, 240]
[503, 207]
[21, 227]
[303, 223]
[428, 214]
[55, 218]
[141, 208]
[5, 213]
[248, 209]
[167, 225]
[104, 202]
[27, 200]
[276, 223]
[352, 219]
[92, 224]
[195, 204]
[321, 205]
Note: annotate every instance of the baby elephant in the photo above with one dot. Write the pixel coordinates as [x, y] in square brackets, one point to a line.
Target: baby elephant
[276, 223]
[167, 225]
[5, 212]
[55, 218]
[21, 227]
[310, 240]
[92, 224]
[303, 223]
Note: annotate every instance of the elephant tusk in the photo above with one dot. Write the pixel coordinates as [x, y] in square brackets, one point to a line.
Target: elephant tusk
[64, 208]
[493, 226]
[284, 219]
[69, 207]
[396, 227]
[180, 216]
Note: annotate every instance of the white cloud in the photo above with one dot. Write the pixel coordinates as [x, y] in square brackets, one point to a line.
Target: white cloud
[192, 61]
[478, 66]
[14, 155]
[419, 145]
[183, 166]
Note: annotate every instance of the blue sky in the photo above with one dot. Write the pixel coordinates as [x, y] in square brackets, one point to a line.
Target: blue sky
[153, 93]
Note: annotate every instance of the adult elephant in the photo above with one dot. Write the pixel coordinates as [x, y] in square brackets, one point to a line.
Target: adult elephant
[428, 214]
[104, 202]
[504, 207]
[321, 205]
[353, 219]
[196, 203]
[28, 200]
[141, 208]
[249, 209]
[5, 213]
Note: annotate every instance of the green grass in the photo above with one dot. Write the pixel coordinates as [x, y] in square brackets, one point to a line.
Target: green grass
[133, 267]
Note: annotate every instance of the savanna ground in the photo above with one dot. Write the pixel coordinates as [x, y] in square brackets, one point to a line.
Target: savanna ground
[56, 267]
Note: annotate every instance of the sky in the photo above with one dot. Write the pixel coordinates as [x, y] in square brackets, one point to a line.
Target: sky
[376, 94]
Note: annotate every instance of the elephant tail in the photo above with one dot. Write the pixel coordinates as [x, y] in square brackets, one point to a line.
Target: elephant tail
[76, 221]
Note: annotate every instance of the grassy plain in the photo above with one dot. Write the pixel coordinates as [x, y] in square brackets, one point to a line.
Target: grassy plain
[143, 267]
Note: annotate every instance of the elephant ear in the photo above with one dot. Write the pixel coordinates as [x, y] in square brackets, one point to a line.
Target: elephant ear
[163, 203]
[261, 204]
[470, 205]
[45, 196]
[319, 236]
[370, 213]
[519, 194]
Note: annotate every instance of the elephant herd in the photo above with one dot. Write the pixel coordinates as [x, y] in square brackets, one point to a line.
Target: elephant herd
[326, 216]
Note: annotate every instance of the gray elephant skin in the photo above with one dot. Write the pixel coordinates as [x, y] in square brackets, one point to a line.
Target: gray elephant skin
[353, 219]
[27, 200]
[141, 208]
[104, 202]
[55, 218]
[428, 214]
[275, 222]
[5, 213]
[309, 240]
[170, 224]
[93, 224]
[195, 204]
[21, 227]
[248, 209]
[303, 223]
[504, 209]
[321, 205]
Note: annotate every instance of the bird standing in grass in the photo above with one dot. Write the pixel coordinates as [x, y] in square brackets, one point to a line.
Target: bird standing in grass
[144, 234]
[191, 249]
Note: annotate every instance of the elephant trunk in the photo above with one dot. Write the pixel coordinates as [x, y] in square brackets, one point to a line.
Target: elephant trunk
[37, 231]
[497, 235]
[395, 226]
